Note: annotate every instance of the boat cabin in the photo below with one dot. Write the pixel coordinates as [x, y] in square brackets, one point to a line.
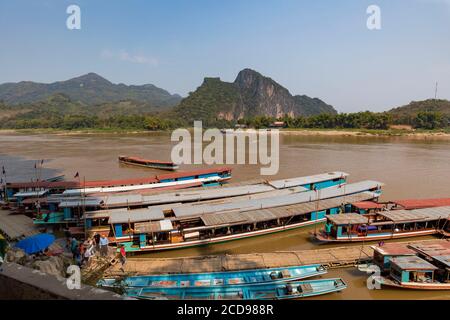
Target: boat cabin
[382, 255]
[412, 269]
[346, 225]
[438, 253]
[385, 224]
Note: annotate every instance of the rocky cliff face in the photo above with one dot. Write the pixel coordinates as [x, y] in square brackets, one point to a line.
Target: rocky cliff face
[251, 94]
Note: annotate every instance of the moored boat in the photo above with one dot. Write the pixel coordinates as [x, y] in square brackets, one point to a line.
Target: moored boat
[148, 163]
[157, 229]
[219, 279]
[418, 266]
[271, 291]
[385, 225]
[412, 272]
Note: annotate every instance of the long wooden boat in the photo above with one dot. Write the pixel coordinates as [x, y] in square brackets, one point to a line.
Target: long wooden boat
[219, 279]
[206, 177]
[208, 229]
[271, 291]
[158, 228]
[76, 188]
[385, 225]
[148, 163]
[388, 282]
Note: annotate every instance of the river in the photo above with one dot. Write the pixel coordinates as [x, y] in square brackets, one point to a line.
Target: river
[410, 168]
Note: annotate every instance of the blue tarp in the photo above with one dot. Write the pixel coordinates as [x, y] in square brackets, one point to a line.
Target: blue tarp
[36, 243]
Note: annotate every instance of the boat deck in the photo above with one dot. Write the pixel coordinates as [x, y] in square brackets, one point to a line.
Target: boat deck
[16, 226]
[329, 257]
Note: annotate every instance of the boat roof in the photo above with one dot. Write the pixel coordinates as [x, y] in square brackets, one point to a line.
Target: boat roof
[229, 218]
[117, 182]
[412, 263]
[44, 184]
[124, 216]
[348, 218]
[34, 193]
[394, 249]
[91, 202]
[426, 214]
[98, 214]
[219, 192]
[422, 203]
[284, 200]
[156, 226]
[300, 181]
[445, 260]
[365, 205]
[432, 248]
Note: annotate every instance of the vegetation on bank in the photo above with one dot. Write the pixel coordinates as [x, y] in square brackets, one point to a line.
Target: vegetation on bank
[359, 121]
[61, 113]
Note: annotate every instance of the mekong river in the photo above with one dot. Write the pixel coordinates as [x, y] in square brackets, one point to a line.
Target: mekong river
[410, 168]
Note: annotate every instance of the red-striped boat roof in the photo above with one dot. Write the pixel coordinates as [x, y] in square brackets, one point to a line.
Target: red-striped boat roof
[119, 182]
[153, 190]
[192, 173]
[44, 184]
[367, 205]
[410, 204]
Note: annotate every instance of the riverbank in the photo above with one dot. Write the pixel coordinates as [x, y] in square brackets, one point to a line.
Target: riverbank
[417, 134]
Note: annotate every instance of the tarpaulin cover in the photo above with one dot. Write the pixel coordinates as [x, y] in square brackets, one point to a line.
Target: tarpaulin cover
[36, 243]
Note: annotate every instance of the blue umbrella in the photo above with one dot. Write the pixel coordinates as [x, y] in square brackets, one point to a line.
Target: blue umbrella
[36, 243]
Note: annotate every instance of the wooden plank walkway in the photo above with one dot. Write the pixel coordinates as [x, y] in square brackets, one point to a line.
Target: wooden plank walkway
[329, 257]
[16, 226]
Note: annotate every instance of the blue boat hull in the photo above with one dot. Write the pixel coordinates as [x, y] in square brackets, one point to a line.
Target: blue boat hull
[272, 291]
[219, 279]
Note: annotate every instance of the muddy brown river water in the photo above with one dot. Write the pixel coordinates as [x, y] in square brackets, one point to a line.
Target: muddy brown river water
[410, 168]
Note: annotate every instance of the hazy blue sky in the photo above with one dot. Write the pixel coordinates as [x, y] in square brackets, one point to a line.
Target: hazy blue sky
[321, 48]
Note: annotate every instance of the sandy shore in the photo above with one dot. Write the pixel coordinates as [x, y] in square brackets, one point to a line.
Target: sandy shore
[295, 132]
[369, 133]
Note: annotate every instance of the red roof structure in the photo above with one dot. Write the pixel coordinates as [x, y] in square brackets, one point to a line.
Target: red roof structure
[394, 249]
[410, 204]
[366, 205]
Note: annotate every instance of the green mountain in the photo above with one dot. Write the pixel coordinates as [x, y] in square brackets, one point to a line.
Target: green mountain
[430, 105]
[60, 105]
[251, 94]
[87, 89]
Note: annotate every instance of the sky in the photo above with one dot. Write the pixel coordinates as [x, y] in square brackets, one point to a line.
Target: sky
[320, 48]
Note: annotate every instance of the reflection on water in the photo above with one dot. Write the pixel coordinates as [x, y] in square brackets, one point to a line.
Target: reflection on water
[410, 168]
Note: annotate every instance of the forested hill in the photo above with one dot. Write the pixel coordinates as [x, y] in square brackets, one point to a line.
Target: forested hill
[88, 89]
[250, 95]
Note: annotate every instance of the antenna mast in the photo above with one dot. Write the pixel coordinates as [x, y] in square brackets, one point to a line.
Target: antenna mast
[435, 91]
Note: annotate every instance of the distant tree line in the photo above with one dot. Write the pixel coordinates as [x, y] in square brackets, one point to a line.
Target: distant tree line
[359, 120]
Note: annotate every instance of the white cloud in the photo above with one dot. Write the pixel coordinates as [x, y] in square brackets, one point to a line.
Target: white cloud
[124, 55]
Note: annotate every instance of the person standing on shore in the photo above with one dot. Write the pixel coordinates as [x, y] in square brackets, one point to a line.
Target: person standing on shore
[73, 246]
[123, 257]
[104, 246]
[87, 254]
[97, 241]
